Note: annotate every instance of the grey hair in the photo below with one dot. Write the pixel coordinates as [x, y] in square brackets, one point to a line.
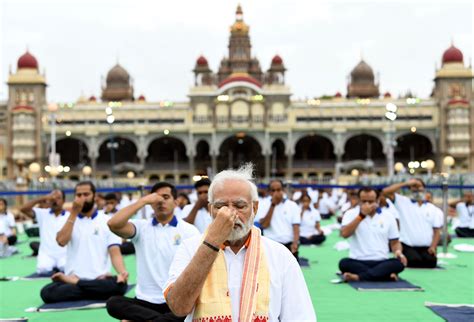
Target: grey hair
[244, 173]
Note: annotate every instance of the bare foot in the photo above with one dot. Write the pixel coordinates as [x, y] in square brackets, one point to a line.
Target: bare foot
[68, 279]
[394, 277]
[349, 277]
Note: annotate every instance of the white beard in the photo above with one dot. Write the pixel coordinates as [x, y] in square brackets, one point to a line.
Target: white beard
[241, 231]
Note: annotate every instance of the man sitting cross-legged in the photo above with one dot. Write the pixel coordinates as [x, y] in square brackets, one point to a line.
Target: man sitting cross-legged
[156, 241]
[91, 246]
[51, 256]
[370, 230]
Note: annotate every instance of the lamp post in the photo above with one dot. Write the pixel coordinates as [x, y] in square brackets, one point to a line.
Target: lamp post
[34, 169]
[54, 158]
[391, 116]
[448, 162]
[111, 145]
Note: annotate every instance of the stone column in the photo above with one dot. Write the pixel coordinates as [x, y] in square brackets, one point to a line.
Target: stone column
[142, 152]
[338, 151]
[191, 153]
[290, 152]
[93, 154]
[267, 153]
[214, 152]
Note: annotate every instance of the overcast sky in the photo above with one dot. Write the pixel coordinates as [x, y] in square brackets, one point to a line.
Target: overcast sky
[158, 42]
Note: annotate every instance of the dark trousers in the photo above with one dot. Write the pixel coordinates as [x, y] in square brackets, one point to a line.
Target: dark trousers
[326, 216]
[35, 248]
[312, 240]
[12, 240]
[295, 254]
[419, 257]
[32, 232]
[125, 308]
[465, 232]
[83, 290]
[127, 248]
[371, 270]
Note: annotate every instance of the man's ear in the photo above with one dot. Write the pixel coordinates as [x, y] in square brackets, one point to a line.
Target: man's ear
[255, 206]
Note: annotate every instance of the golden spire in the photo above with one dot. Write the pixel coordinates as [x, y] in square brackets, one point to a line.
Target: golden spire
[239, 26]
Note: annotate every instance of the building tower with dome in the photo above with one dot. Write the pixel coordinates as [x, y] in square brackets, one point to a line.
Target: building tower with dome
[118, 85]
[25, 106]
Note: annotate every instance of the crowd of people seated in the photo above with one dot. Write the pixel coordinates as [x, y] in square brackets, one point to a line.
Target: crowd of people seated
[222, 242]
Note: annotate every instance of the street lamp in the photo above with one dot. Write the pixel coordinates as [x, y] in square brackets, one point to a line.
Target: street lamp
[54, 158]
[430, 164]
[34, 168]
[86, 171]
[448, 162]
[111, 145]
[399, 167]
[391, 116]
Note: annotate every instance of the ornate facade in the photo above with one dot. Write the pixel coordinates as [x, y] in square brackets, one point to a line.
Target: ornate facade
[240, 113]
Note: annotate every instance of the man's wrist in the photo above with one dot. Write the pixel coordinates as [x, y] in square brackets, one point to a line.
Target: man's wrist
[210, 246]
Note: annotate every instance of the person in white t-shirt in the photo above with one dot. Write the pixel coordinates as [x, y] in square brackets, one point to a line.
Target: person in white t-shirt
[156, 241]
[388, 205]
[465, 212]
[280, 218]
[91, 249]
[310, 228]
[352, 202]
[370, 230]
[197, 214]
[9, 221]
[110, 209]
[233, 273]
[111, 204]
[326, 206]
[51, 256]
[181, 202]
[420, 223]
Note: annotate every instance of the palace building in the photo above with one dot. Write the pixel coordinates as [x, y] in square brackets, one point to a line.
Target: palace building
[243, 111]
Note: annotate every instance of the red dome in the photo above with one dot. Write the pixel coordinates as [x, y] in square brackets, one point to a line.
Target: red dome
[141, 98]
[338, 94]
[387, 95]
[452, 55]
[92, 98]
[240, 78]
[276, 60]
[27, 60]
[201, 61]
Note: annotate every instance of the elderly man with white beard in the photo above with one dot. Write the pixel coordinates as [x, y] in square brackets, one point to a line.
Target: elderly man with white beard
[225, 274]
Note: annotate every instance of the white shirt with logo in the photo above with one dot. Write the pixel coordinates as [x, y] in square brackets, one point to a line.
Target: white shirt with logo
[286, 214]
[417, 221]
[88, 250]
[155, 247]
[371, 238]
